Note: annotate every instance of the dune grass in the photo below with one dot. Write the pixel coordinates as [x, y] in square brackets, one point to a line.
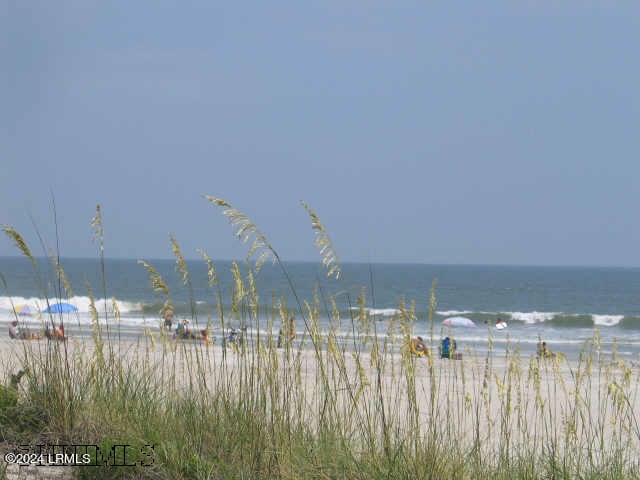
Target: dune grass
[326, 405]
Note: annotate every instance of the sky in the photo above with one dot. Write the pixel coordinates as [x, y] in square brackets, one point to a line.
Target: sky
[493, 132]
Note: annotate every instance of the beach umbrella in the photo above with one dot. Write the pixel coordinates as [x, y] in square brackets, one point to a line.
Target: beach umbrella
[458, 322]
[61, 308]
[23, 310]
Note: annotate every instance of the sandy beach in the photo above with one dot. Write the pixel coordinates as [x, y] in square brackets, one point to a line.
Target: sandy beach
[496, 404]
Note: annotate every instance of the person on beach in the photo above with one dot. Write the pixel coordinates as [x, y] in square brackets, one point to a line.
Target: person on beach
[204, 337]
[168, 319]
[417, 346]
[543, 350]
[188, 333]
[58, 333]
[236, 337]
[179, 333]
[16, 333]
[287, 331]
[183, 331]
[448, 349]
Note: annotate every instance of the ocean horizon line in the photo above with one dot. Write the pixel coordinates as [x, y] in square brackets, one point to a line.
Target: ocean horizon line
[344, 262]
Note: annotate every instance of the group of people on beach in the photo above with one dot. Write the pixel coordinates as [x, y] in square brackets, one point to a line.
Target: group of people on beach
[447, 348]
[18, 333]
[286, 335]
[183, 329]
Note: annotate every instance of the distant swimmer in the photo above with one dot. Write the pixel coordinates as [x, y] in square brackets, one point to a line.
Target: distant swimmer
[501, 324]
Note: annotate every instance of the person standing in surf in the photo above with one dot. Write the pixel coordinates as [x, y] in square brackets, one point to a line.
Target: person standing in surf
[168, 319]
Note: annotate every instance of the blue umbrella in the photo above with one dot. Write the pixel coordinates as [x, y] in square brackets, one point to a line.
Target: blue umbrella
[61, 308]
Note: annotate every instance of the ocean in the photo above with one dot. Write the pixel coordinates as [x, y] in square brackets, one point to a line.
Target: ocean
[564, 306]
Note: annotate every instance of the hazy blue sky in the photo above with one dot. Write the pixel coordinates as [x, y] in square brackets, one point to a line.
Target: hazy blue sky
[438, 132]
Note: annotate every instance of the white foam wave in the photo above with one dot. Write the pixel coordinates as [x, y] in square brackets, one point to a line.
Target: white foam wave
[532, 317]
[451, 313]
[9, 303]
[84, 320]
[385, 312]
[618, 352]
[607, 320]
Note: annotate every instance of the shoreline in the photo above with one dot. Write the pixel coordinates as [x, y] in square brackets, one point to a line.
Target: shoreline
[476, 342]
